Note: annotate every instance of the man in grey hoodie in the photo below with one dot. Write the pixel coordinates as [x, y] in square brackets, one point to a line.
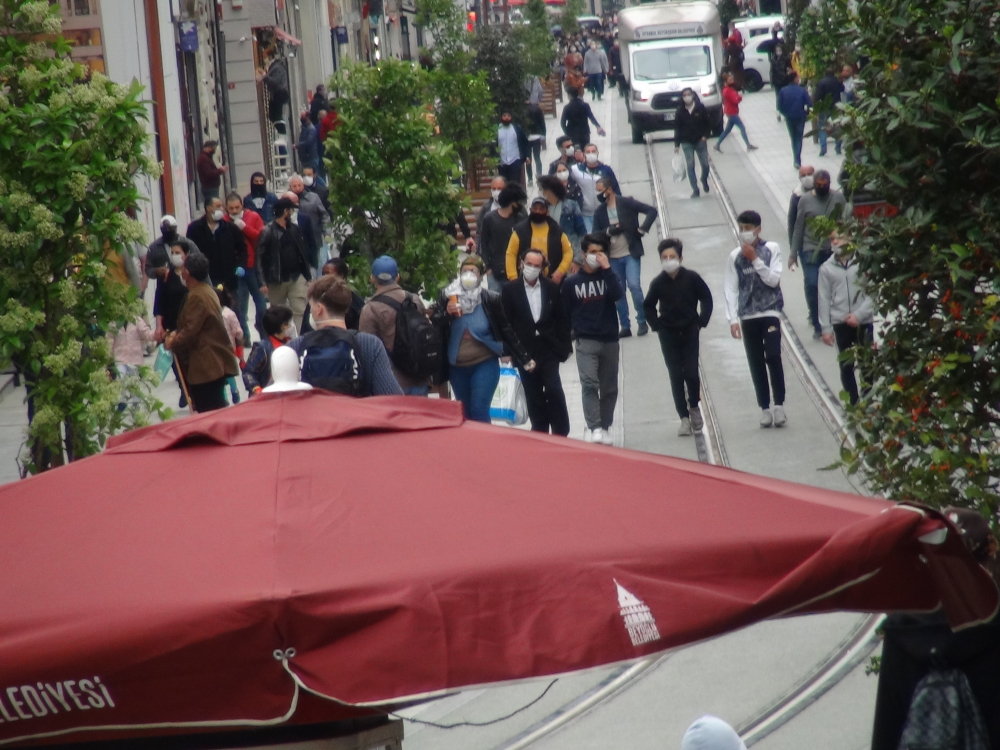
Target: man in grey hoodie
[846, 311]
[814, 249]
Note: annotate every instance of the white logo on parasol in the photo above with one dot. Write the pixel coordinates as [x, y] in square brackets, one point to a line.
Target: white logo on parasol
[638, 619]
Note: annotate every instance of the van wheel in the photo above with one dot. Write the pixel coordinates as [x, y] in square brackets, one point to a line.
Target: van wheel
[636, 134]
[718, 125]
[752, 81]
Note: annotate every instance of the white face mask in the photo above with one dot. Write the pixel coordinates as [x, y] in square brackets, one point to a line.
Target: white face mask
[176, 260]
[291, 331]
[671, 265]
[591, 159]
[239, 216]
[495, 194]
[747, 238]
[469, 280]
[531, 273]
[806, 182]
[592, 261]
[307, 180]
[217, 215]
[569, 150]
[295, 215]
[688, 100]
[563, 175]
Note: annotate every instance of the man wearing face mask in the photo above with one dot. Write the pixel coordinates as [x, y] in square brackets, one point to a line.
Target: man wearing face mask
[562, 209]
[535, 311]
[691, 130]
[813, 249]
[567, 153]
[260, 199]
[805, 186]
[209, 175]
[542, 233]
[590, 299]
[497, 184]
[753, 300]
[283, 262]
[315, 186]
[846, 312]
[222, 243]
[618, 217]
[586, 175]
[157, 256]
[494, 236]
[310, 205]
[513, 149]
[679, 292]
[251, 225]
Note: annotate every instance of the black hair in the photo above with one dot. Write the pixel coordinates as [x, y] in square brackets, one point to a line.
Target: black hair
[225, 298]
[512, 193]
[282, 205]
[749, 217]
[596, 239]
[255, 175]
[210, 144]
[234, 196]
[821, 174]
[275, 318]
[524, 253]
[563, 140]
[339, 265]
[668, 243]
[197, 266]
[181, 244]
[554, 185]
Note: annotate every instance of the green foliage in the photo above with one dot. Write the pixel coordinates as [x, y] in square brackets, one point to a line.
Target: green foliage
[538, 50]
[70, 149]
[728, 11]
[928, 110]
[499, 57]
[825, 31]
[446, 23]
[571, 11]
[793, 18]
[390, 178]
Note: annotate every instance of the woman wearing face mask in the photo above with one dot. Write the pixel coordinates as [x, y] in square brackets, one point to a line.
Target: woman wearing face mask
[573, 191]
[691, 130]
[672, 309]
[170, 297]
[476, 333]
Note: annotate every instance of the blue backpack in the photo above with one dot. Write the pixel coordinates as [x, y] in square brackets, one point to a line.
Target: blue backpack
[331, 359]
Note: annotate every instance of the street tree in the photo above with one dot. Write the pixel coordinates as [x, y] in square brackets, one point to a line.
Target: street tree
[825, 31]
[499, 55]
[72, 143]
[571, 12]
[538, 49]
[928, 114]
[390, 176]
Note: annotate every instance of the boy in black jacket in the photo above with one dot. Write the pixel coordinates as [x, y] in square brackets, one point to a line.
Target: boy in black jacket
[679, 293]
[589, 299]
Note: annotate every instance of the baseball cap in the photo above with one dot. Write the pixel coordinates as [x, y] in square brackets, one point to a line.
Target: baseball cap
[539, 200]
[711, 733]
[385, 269]
[168, 220]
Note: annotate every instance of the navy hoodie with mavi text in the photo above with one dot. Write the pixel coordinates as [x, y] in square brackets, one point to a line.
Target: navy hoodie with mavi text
[590, 298]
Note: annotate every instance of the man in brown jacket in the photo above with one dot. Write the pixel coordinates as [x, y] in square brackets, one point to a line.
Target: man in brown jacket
[201, 342]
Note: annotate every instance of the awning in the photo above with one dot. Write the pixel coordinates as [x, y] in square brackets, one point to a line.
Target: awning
[285, 36]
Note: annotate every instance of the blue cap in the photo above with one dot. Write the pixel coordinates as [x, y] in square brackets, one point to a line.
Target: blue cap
[384, 269]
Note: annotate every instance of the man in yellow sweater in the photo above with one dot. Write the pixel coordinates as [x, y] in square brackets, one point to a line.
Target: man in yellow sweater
[540, 232]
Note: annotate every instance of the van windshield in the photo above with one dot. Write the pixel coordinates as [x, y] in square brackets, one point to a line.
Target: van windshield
[671, 62]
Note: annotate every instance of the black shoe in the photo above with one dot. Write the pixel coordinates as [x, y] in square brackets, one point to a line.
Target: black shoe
[182, 404]
[643, 329]
[695, 194]
[625, 333]
[705, 186]
[817, 334]
[823, 152]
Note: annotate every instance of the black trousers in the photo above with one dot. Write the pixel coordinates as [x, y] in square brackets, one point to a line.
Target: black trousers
[546, 401]
[536, 159]
[208, 396]
[680, 353]
[762, 342]
[848, 337]
[513, 172]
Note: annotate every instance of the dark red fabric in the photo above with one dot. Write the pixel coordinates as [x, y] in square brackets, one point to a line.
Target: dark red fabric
[254, 225]
[209, 174]
[401, 551]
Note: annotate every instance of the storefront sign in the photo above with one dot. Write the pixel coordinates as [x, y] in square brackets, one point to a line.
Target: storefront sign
[341, 34]
[188, 32]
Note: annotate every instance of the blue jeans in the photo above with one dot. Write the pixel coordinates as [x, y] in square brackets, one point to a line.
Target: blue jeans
[474, 387]
[588, 222]
[595, 82]
[416, 390]
[810, 279]
[628, 270]
[796, 127]
[823, 120]
[690, 149]
[249, 286]
[731, 122]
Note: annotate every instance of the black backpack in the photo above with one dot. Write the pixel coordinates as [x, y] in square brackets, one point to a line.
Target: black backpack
[331, 359]
[418, 347]
[944, 715]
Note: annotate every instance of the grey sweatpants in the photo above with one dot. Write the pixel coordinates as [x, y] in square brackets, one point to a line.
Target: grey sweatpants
[597, 362]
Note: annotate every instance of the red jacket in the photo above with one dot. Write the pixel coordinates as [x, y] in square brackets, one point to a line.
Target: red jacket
[731, 101]
[254, 225]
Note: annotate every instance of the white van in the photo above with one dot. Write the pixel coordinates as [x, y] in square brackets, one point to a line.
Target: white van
[667, 47]
[757, 43]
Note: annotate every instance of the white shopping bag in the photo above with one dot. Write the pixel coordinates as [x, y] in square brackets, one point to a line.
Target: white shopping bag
[509, 404]
[679, 165]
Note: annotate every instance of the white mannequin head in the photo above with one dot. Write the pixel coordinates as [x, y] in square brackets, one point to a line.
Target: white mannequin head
[285, 372]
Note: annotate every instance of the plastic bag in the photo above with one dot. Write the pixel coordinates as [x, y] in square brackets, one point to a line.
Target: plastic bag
[509, 403]
[679, 165]
[164, 361]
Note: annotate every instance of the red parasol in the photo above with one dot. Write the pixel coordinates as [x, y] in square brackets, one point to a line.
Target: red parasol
[226, 569]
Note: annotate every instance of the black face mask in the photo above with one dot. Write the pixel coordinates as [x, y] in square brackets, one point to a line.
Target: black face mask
[169, 233]
[538, 218]
[515, 207]
[822, 192]
[258, 191]
[602, 198]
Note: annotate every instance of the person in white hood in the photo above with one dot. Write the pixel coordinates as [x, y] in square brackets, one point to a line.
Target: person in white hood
[711, 733]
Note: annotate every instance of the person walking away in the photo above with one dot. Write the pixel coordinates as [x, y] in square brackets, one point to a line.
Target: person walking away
[805, 186]
[336, 359]
[235, 331]
[533, 90]
[278, 330]
[711, 733]
[595, 65]
[829, 92]
[379, 318]
[251, 225]
[337, 267]
[496, 232]
[222, 243]
[618, 218]
[794, 104]
[565, 212]
[576, 118]
[731, 99]
[260, 199]
[209, 175]
[586, 175]
[513, 149]
[536, 138]
[311, 206]
[540, 232]
[534, 308]
[567, 154]
[846, 312]
[201, 342]
[781, 71]
[811, 248]
[590, 299]
[753, 300]
[283, 262]
[497, 184]
[476, 333]
[691, 130]
[308, 143]
[679, 293]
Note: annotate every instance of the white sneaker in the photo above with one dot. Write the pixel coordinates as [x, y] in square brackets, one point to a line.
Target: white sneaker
[779, 416]
[765, 418]
[607, 438]
[597, 436]
[696, 421]
[685, 429]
